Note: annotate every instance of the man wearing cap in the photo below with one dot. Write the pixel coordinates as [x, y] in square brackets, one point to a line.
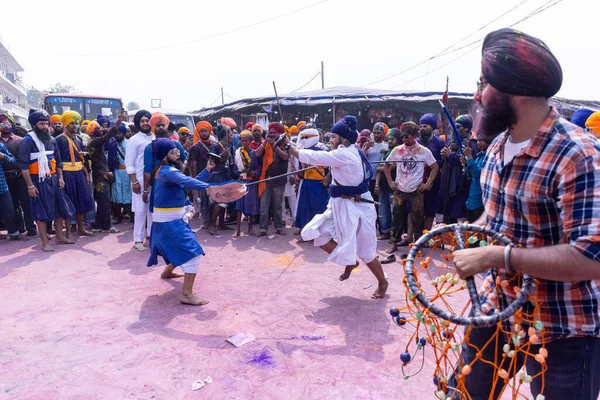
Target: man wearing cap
[41, 167]
[14, 178]
[172, 237]
[75, 170]
[540, 180]
[347, 228]
[455, 186]
[435, 144]
[121, 188]
[134, 165]
[409, 159]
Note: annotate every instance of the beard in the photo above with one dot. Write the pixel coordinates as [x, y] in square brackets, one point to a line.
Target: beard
[497, 118]
[162, 134]
[144, 130]
[177, 164]
[42, 134]
[425, 134]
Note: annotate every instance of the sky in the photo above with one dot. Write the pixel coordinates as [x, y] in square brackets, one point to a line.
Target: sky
[183, 52]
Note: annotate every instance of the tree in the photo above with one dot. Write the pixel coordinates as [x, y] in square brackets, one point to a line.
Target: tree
[35, 97]
[133, 105]
[60, 88]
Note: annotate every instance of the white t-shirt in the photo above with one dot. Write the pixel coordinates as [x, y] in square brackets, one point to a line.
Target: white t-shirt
[512, 149]
[409, 175]
[376, 153]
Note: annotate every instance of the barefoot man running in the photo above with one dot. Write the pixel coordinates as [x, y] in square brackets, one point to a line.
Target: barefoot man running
[171, 236]
[347, 227]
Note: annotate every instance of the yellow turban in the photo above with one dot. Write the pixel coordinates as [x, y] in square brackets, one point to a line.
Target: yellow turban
[183, 129]
[85, 122]
[246, 134]
[55, 118]
[593, 124]
[287, 130]
[70, 116]
[91, 128]
[294, 130]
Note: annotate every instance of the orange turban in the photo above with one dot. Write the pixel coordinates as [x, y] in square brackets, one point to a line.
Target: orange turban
[91, 128]
[55, 118]
[300, 125]
[249, 125]
[287, 130]
[593, 123]
[199, 126]
[228, 121]
[257, 126]
[294, 130]
[156, 118]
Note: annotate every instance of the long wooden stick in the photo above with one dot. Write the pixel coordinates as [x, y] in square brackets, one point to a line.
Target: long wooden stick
[280, 176]
[278, 105]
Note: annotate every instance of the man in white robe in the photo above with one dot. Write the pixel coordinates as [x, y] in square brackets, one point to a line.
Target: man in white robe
[347, 228]
[134, 164]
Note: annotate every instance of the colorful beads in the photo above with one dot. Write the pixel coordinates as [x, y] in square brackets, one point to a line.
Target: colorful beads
[405, 358]
[466, 370]
[394, 312]
[539, 325]
[400, 320]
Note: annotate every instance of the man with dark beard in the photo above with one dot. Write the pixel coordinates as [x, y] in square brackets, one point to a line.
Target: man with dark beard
[134, 163]
[435, 144]
[172, 237]
[41, 167]
[101, 175]
[14, 178]
[76, 176]
[540, 180]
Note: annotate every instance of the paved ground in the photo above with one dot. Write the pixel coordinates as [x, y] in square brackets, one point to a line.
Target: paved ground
[92, 322]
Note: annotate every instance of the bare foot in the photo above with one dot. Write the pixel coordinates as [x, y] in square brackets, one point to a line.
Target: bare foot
[192, 299]
[85, 233]
[348, 271]
[297, 231]
[170, 275]
[261, 234]
[381, 289]
[281, 233]
[64, 240]
[48, 249]
[236, 234]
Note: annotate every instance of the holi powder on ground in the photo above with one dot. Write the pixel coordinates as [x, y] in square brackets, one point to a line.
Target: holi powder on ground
[264, 359]
[312, 338]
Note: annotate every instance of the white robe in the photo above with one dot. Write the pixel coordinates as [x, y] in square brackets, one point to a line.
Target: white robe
[349, 223]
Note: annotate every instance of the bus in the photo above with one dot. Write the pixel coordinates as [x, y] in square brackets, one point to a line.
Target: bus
[175, 117]
[89, 107]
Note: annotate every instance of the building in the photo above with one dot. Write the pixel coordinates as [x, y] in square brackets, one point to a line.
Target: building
[13, 95]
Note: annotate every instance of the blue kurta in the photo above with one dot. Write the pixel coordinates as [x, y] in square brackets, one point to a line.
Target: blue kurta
[174, 240]
[121, 188]
[76, 184]
[150, 163]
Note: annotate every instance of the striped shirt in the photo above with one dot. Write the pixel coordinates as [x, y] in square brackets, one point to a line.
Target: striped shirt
[549, 194]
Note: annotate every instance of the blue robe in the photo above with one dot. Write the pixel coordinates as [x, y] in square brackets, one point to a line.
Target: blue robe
[121, 188]
[174, 240]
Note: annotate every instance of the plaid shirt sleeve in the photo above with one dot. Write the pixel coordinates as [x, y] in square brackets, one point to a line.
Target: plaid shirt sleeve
[579, 200]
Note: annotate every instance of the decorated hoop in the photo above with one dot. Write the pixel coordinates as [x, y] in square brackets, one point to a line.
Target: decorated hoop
[477, 319]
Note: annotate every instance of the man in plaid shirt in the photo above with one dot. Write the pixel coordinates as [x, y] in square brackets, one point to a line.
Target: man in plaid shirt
[541, 188]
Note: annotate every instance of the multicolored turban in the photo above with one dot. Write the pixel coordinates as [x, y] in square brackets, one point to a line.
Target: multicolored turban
[55, 118]
[8, 118]
[410, 128]
[521, 65]
[346, 128]
[69, 116]
[158, 117]
[396, 134]
[465, 120]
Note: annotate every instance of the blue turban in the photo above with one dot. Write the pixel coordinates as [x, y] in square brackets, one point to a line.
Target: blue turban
[36, 116]
[429, 119]
[123, 128]
[138, 117]
[580, 116]
[161, 147]
[465, 120]
[346, 128]
[103, 119]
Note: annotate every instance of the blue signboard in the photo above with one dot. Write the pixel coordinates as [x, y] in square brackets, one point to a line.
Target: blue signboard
[64, 100]
[104, 102]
